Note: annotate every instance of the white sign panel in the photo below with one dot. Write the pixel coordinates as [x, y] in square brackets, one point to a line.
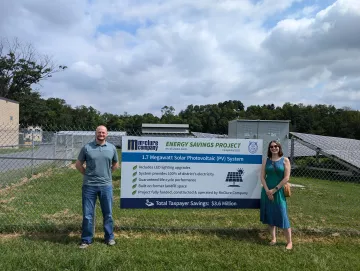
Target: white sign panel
[159, 172]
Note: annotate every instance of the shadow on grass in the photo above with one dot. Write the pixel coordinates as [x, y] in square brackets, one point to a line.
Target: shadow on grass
[61, 238]
[72, 236]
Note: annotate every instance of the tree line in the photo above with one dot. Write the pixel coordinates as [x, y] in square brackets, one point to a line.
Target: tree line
[21, 67]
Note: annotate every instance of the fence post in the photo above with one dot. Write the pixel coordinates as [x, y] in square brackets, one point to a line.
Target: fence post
[292, 150]
[66, 149]
[72, 146]
[32, 152]
[55, 145]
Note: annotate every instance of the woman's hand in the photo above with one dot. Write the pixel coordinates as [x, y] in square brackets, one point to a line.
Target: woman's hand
[270, 193]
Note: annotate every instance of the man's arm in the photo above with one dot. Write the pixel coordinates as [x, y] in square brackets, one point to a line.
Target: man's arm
[80, 166]
[80, 161]
[115, 161]
[114, 166]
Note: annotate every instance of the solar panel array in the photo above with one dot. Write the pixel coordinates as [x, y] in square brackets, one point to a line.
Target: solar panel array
[345, 149]
[208, 135]
[300, 150]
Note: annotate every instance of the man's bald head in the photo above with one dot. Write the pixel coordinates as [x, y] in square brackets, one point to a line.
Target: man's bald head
[102, 127]
[101, 134]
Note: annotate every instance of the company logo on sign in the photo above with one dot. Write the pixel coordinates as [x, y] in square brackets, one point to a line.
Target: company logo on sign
[142, 145]
[253, 147]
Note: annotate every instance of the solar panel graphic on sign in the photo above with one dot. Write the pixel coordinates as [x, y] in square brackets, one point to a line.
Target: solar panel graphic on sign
[235, 177]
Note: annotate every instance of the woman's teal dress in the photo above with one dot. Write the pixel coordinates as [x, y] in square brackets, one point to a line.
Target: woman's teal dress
[274, 212]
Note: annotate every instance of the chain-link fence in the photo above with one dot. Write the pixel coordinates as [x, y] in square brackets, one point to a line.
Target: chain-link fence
[40, 188]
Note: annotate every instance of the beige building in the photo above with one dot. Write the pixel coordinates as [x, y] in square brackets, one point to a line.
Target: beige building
[9, 123]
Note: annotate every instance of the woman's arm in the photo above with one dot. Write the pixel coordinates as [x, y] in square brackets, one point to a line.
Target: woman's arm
[263, 181]
[262, 175]
[286, 178]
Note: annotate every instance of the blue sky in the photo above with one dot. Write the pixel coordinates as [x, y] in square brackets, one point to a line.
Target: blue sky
[111, 28]
[297, 8]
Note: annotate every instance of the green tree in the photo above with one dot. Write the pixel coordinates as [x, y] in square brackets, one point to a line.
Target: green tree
[168, 115]
[21, 67]
[58, 114]
[113, 122]
[86, 118]
[33, 110]
[212, 118]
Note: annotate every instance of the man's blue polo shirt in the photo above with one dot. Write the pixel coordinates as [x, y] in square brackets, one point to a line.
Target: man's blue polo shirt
[99, 159]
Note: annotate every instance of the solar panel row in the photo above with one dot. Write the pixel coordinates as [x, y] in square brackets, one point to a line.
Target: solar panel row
[345, 149]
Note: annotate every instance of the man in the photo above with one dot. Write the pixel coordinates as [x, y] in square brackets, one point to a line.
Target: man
[101, 160]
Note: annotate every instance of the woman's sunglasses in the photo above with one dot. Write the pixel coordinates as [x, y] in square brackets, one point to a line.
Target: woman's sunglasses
[274, 146]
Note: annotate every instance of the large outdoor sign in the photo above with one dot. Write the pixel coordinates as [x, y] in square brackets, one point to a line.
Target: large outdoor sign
[159, 172]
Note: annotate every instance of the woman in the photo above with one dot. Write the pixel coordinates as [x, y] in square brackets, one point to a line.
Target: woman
[275, 173]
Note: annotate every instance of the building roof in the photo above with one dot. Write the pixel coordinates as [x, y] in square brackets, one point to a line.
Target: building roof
[161, 125]
[166, 134]
[89, 133]
[243, 120]
[8, 100]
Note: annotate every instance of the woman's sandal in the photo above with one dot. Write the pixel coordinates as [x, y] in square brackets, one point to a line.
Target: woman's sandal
[272, 243]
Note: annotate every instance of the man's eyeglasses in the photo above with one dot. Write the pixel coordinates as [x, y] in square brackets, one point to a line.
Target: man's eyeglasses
[274, 146]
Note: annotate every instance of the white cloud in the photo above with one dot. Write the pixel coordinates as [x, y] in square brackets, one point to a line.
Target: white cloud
[154, 53]
[92, 71]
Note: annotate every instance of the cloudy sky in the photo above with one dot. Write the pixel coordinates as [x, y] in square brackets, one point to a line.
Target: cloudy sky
[139, 55]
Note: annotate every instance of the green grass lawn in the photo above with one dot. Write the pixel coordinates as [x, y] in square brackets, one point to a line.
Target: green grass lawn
[177, 251]
[53, 201]
[15, 150]
[14, 176]
[41, 219]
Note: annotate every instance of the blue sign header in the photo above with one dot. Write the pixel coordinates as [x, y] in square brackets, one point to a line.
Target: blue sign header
[191, 158]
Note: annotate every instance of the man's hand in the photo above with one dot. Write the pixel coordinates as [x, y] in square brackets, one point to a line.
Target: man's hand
[80, 166]
[114, 166]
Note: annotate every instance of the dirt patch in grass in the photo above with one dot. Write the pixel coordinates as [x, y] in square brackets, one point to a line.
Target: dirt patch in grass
[200, 213]
[62, 217]
[7, 209]
[9, 236]
[5, 201]
[125, 221]
[72, 166]
[26, 180]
